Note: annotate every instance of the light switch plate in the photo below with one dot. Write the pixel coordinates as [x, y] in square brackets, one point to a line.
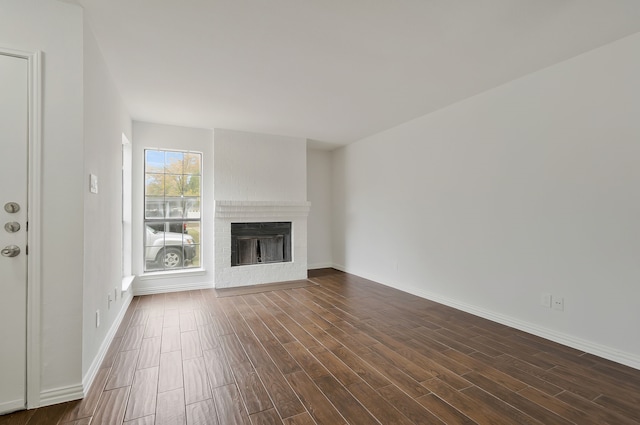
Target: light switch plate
[93, 183]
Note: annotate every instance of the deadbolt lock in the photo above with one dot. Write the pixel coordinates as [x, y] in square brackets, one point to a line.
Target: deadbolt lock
[11, 207]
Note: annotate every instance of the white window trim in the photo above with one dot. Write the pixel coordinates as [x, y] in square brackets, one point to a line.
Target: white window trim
[127, 204]
[180, 272]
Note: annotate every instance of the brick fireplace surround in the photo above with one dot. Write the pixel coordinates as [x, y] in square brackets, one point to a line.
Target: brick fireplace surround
[227, 212]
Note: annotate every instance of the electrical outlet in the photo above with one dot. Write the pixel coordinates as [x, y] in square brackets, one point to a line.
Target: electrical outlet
[97, 318]
[545, 300]
[558, 303]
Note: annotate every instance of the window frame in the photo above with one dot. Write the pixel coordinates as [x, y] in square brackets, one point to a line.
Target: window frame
[166, 218]
[127, 205]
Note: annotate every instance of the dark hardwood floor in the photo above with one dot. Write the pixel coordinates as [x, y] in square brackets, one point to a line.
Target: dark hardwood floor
[344, 351]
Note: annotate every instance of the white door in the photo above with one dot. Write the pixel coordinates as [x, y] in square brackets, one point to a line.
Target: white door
[13, 231]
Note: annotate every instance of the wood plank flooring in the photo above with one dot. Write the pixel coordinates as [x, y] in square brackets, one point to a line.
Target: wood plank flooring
[256, 289]
[343, 351]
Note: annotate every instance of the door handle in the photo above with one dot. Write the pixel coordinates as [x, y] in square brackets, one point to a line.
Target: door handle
[11, 251]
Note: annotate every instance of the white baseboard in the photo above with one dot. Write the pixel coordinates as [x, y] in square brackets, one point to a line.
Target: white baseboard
[628, 359]
[599, 350]
[61, 395]
[341, 268]
[11, 406]
[79, 391]
[319, 266]
[158, 288]
[88, 377]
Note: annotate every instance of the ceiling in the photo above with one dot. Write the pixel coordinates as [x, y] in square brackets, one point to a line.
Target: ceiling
[333, 71]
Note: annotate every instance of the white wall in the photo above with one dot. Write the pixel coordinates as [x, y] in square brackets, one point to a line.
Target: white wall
[528, 188]
[319, 220]
[158, 136]
[105, 120]
[262, 178]
[259, 167]
[56, 29]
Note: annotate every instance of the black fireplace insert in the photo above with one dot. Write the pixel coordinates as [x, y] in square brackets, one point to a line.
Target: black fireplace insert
[260, 243]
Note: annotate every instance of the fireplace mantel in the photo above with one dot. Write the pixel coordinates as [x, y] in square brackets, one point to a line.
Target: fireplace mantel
[261, 209]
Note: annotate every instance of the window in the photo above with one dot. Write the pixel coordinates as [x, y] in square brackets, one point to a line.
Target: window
[172, 214]
[127, 277]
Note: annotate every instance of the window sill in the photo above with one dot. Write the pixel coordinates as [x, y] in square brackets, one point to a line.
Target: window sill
[126, 282]
[172, 274]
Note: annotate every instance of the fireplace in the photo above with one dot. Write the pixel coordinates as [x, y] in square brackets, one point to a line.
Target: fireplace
[282, 240]
[260, 243]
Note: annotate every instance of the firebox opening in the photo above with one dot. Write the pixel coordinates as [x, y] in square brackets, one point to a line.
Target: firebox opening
[260, 243]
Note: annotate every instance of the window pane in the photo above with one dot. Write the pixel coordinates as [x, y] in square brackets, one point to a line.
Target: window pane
[193, 230]
[173, 185]
[195, 261]
[151, 266]
[154, 184]
[173, 162]
[166, 247]
[192, 163]
[154, 161]
[168, 226]
[154, 243]
[192, 185]
[192, 208]
[175, 208]
[153, 207]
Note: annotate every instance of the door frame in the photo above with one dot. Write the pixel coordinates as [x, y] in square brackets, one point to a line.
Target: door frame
[34, 218]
